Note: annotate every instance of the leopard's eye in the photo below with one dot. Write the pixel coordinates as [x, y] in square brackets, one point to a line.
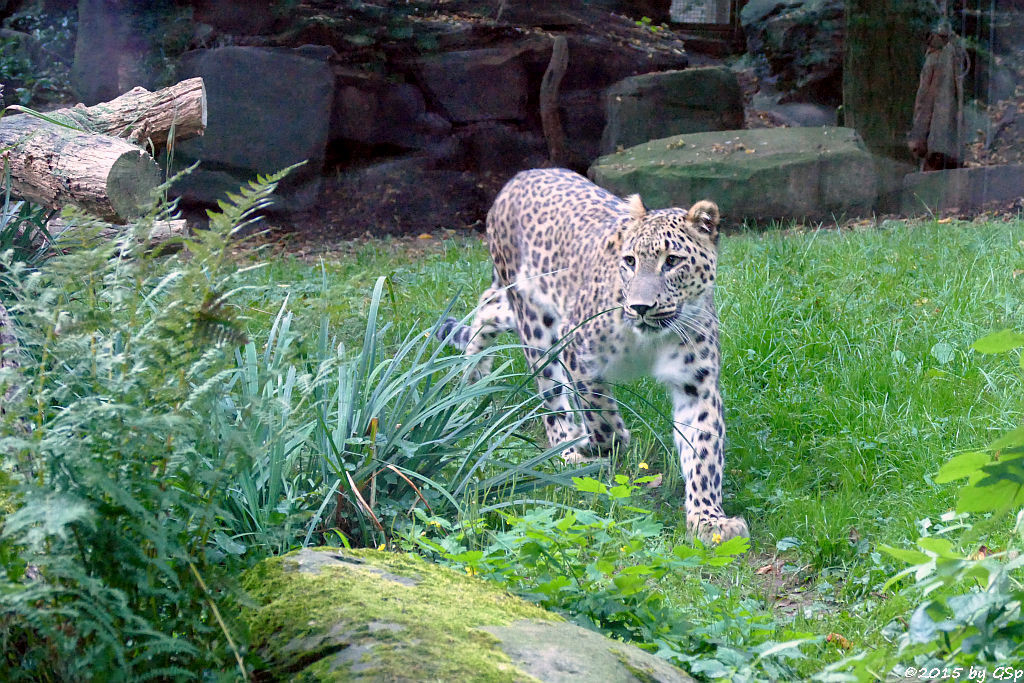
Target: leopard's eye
[629, 260]
[671, 261]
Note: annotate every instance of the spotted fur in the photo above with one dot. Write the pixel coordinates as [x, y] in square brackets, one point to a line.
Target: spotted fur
[601, 290]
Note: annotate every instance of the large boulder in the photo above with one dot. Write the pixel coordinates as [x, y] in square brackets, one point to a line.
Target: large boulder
[476, 85]
[803, 43]
[658, 105]
[963, 189]
[331, 614]
[760, 174]
[374, 110]
[268, 109]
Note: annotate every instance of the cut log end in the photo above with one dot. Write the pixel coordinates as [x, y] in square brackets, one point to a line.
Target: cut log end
[130, 183]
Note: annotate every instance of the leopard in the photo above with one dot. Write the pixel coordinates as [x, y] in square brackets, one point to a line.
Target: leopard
[602, 291]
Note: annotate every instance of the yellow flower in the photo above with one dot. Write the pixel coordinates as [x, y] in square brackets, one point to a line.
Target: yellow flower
[622, 549]
[643, 466]
[470, 571]
[716, 538]
[434, 522]
[382, 547]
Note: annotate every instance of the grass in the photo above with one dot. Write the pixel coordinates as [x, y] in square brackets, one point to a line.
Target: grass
[847, 378]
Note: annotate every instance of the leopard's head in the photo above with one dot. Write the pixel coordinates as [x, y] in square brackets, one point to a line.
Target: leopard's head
[667, 262]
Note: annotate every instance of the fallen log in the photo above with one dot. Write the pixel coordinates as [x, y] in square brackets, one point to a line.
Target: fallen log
[158, 233]
[85, 156]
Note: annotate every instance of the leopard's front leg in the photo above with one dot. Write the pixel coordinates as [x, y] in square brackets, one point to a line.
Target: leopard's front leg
[699, 437]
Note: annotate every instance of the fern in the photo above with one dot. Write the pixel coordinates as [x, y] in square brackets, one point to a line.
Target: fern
[122, 484]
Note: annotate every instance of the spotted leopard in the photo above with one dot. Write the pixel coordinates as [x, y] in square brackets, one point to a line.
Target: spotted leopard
[601, 290]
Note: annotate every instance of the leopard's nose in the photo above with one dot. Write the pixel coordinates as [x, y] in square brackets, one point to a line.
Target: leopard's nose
[640, 309]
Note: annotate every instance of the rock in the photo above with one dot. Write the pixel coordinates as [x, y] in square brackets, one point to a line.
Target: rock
[268, 109]
[548, 14]
[962, 189]
[408, 195]
[237, 16]
[331, 614]
[495, 148]
[794, 114]
[707, 12]
[476, 85]
[890, 173]
[761, 174]
[373, 110]
[658, 105]
[803, 43]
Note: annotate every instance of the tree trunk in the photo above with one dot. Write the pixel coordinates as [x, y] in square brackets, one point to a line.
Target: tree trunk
[551, 123]
[81, 162]
[885, 45]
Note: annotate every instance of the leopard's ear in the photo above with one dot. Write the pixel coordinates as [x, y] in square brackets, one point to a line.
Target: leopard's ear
[704, 216]
[637, 210]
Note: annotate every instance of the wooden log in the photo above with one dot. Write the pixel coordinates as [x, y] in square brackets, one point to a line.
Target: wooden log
[9, 350]
[51, 165]
[550, 121]
[160, 232]
[140, 115]
[74, 158]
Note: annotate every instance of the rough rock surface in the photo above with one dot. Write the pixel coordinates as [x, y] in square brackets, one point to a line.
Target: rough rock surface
[268, 109]
[477, 85]
[803, 43]
[762, 174]
[658, 105]
[962, 189]
[331, 614]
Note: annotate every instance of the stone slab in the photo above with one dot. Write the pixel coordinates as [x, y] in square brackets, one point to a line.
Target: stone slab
[753, 175]
[962, 189]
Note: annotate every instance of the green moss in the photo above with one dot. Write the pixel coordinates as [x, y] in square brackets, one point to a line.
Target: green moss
[350, 620]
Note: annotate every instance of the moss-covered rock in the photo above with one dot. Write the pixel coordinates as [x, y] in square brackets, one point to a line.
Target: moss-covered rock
[332, 614]
[759, 174]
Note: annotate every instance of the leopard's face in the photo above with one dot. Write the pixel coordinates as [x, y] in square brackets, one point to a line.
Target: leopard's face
[667, 264]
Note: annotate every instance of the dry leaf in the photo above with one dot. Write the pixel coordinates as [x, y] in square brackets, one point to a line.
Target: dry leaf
[654, 483]
[425, 236]
[945, 220]
[838, 640]
[981, 553]
[854, 536]
[767, 569]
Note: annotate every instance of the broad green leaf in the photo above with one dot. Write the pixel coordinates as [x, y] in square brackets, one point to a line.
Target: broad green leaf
[905, 554]
[961, 466]
[1010, 439]
[999, 342]
[990, 498]
[737, 545]
[589, 485]
[943, 352]
[628, 584]
[940, 546]
[554, 585]
[618, 492]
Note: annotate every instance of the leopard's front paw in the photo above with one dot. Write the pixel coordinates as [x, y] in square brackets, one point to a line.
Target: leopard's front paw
[577, 456]
[716, 529]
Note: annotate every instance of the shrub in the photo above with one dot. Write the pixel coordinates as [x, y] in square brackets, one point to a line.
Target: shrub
[606, 569]
[120, 481]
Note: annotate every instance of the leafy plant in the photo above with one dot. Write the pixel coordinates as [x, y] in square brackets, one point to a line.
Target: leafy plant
[970, 613]
[121, 481]
[604, 568]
